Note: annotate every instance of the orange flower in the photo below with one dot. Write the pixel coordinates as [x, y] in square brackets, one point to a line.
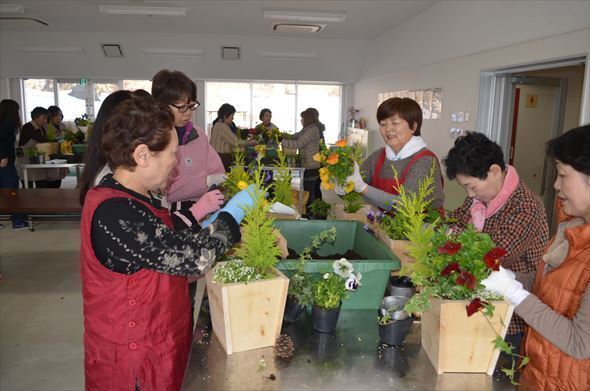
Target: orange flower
[340, 143]
[327, 186]
[332, 159]
[318, 157]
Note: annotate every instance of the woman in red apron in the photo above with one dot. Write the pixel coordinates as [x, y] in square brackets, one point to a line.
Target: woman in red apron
[137, 331]
[400, 120]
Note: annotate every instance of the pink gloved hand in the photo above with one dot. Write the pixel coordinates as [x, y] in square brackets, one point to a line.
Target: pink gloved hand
[210, 202]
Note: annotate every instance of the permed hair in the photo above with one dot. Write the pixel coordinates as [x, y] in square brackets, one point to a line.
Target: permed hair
[473, 155]
[406, 108]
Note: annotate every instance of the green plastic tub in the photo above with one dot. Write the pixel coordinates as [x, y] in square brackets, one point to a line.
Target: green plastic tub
[350, 235]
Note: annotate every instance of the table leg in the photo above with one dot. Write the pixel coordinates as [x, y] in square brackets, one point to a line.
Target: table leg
[77, 176]
[25, 172]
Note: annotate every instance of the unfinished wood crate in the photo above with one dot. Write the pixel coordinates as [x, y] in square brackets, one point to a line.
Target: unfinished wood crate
[360, 215]
[457, 343]
[48, 148]
[247, 316]
[398, 247]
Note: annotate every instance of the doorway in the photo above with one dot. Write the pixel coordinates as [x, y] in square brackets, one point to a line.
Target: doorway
[521, 109]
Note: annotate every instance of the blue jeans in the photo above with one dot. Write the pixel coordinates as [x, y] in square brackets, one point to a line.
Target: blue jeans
[9, 180]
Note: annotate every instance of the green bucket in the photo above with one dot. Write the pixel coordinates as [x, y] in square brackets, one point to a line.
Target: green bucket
[350, 235]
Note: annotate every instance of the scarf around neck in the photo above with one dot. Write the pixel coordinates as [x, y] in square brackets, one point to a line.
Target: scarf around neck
[413, 145]
[480, 211]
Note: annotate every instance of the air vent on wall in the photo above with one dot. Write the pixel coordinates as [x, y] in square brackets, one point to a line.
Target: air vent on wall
[230, 52]
[297, 28]
[112, 50]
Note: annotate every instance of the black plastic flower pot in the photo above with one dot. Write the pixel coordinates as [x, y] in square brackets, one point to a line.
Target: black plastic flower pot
[395, 332]
[401, 286]
[324, 320]
[293, 310]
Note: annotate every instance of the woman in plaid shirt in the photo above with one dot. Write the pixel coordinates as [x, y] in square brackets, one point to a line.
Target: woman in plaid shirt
[500, 204]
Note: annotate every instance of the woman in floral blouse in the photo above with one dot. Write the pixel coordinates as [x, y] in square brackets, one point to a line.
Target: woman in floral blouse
[133, 265]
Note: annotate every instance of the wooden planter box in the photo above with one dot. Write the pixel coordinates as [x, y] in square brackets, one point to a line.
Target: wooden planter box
[457, 343]
[247, 316]
[398, 247]
[48, 148]
[360, 215]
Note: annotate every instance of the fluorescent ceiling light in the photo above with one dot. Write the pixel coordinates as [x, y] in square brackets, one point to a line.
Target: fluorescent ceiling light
[12, 8]
[172, 52]
[304, 16]
[140, 10]
[53, 51]
[287, 55]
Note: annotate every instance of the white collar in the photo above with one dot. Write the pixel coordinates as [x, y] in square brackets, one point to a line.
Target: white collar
[415, 144]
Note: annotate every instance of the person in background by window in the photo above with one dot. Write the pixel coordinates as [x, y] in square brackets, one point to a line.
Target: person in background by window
[307, 140]
[555, 301]
[31, 133]
[265, 116]
[95, 162]
[223, 139]
[9, 125]
[55, 127]
[400, 120]
[500, 204]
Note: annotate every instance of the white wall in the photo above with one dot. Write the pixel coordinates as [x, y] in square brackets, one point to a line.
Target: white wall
[337, 60]
[444, 47]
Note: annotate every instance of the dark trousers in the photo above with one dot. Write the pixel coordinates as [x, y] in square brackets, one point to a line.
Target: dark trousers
[9, 180]
[311, 184]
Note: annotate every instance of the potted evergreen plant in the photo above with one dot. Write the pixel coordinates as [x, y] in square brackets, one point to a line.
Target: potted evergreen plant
[247, 294]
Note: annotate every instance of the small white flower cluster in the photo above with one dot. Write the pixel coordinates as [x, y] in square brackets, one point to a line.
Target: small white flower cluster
[345, 270]
[235, 271]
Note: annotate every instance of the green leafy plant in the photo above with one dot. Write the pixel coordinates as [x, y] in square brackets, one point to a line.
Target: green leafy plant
[320, 208]
[237, 177]
[282, 181]
[451, 266]
[83, 120]
[32, 152]
[352, 202]
[337, 164]
[258, 252]
[300, 285]
[330, 290]
[410, 209]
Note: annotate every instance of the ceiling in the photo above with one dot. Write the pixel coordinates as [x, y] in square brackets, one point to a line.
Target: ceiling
[365, 19]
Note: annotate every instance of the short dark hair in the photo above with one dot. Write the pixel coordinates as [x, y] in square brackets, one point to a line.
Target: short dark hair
[173, 86]
[473, 155]
[225, 110]
[262, 112]
[9, 113]
[572, 148]
[38, 111]
[54, 111]
[136, 121]
[310, 116]
[406, 108]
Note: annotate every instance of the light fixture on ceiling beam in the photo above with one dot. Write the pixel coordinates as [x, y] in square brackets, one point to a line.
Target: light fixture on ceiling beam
[189, 53]
[56, 51]
[141, 10]
[12, 9]
[305, 16]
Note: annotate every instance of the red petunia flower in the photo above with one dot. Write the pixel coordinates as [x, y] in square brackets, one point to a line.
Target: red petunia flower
[467, 279]
[492, 258]
[475, 305]
[450, 268]
[450, 248]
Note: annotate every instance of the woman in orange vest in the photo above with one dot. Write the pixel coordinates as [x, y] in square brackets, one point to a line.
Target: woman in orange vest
[137, 333]
[555, 303]
[400, 121]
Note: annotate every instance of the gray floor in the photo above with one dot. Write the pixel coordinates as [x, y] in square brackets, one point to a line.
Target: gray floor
[41, 308]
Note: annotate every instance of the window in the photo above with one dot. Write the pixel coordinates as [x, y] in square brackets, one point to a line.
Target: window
[73, 98]
[285, 100]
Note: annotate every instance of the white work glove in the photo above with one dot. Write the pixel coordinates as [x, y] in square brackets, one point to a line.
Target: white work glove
[216, 179]
[503, 282]
[356, 178]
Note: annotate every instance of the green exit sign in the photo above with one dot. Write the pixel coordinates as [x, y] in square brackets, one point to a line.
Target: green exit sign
[83, 81]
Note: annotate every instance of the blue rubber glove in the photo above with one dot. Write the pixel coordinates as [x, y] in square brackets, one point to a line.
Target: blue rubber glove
[235, 206]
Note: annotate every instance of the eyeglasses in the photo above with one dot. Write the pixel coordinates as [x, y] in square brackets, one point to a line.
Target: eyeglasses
[185, 108]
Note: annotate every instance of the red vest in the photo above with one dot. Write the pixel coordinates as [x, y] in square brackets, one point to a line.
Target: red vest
[136, 327]
[391, 185]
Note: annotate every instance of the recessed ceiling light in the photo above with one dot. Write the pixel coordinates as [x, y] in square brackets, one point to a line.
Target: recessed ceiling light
[140, 10]
[304, 16]
[12, 8]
